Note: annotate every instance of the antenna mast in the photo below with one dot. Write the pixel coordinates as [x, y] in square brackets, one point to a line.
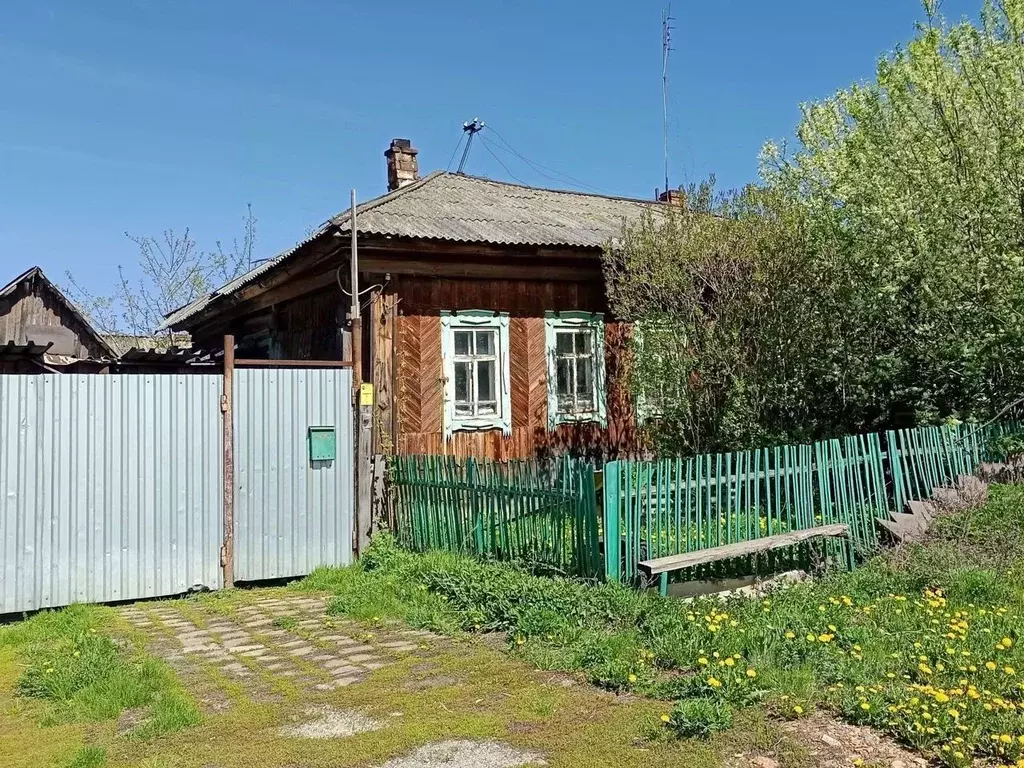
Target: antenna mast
[473, 127]
[666, 47]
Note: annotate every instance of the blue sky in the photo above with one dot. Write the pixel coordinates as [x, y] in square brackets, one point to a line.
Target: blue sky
[143, 115]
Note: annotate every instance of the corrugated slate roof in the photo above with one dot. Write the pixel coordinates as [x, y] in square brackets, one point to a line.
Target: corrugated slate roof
[469, 209]
[466, 209]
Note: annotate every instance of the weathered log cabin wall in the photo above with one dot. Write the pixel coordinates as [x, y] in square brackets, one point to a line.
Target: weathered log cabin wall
[419, 381]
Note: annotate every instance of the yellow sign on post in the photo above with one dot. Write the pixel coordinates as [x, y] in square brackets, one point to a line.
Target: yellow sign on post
[366, 394]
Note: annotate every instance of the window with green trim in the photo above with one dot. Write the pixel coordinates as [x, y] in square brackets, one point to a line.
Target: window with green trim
[474, 349]
[575, 351]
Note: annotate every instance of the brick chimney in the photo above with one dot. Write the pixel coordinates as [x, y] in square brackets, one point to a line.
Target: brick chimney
[672, 197]
[402, 165]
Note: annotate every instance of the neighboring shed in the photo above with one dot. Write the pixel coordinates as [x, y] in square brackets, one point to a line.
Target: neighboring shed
[487, 331]
[41, 329]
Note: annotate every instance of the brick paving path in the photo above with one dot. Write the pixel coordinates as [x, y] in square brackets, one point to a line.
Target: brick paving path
[274, 637]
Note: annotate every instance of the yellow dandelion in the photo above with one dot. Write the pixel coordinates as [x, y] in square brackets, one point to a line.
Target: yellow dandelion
[798, 709]
[632, 678]
[714, 682]
[1009, 670]
[751, 673]
[666, 719]
[990, 666]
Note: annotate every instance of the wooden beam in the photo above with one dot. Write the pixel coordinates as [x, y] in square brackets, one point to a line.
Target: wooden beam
[713, 554]
[459, 250]
[484, 271]
[260, 363]
[383, 316]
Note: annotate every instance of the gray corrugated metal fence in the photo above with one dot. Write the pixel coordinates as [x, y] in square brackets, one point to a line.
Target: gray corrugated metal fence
[110, 487]
[291, 514]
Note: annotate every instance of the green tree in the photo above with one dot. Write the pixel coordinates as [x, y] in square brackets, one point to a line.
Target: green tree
[917, 182]
[876, 277]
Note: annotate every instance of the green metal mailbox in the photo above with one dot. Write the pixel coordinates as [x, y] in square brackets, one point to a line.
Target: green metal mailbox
[323, 444]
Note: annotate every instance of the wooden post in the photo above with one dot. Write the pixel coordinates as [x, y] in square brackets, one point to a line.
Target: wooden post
[364, 484]
[364, 411]
[227, 550]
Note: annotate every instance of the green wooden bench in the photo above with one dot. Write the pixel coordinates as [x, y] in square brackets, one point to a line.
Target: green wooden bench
[662, 566]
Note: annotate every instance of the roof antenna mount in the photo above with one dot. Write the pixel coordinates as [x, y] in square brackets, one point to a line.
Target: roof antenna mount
[473, 127]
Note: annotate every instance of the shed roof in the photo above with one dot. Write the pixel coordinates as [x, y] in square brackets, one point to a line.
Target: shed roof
[464, 209]
[36, 273]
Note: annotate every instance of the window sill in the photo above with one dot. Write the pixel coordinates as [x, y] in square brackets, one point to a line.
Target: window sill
[479, 425]
[578, 418]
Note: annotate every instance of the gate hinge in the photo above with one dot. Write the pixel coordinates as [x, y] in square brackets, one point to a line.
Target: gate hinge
[223, 404]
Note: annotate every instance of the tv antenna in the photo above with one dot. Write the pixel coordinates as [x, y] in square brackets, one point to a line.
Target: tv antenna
[473, 127]
[666, 48]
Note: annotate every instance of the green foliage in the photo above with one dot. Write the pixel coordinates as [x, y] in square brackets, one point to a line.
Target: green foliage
[86, 676]
[735, 340]
[88, 757]
[875, 279]
[700, 717]
[924, 644]
[285, 622]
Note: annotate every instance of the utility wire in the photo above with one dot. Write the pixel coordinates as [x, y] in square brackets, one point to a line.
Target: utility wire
[452, 158]
[537, 166]
[487, 146]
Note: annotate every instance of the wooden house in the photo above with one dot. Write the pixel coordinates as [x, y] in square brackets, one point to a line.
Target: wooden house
[42, 331]
[486, 329]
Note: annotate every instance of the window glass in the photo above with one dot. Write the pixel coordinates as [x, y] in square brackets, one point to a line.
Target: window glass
[563, 343]
[485, 342]
[485, 388]
[462, 342]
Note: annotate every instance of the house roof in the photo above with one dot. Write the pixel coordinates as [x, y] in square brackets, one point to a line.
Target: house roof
[470, 209]
[36, 273]
[123, 343]
[464, 209]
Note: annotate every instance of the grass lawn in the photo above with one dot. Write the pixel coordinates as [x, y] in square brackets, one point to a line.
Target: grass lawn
[923, 645]
[114, 704]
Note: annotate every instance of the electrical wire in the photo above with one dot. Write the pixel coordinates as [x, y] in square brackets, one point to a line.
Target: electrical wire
[452, 158]
[375, 286]
[486, 145]
[537, 166]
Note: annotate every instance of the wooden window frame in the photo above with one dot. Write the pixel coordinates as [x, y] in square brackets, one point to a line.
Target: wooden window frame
[476, 320]
[576, 321]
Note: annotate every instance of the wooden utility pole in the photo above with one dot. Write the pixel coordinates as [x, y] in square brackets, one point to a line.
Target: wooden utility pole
[227, 550]
[363, 402]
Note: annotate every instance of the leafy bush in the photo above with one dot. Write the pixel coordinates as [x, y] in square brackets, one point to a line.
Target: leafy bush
[699, 718]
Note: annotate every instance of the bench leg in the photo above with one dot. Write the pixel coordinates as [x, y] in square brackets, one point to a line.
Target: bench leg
[663, 584]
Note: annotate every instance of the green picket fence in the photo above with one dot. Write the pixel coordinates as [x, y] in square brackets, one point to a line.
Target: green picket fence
[538, 513]
[672, 506]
